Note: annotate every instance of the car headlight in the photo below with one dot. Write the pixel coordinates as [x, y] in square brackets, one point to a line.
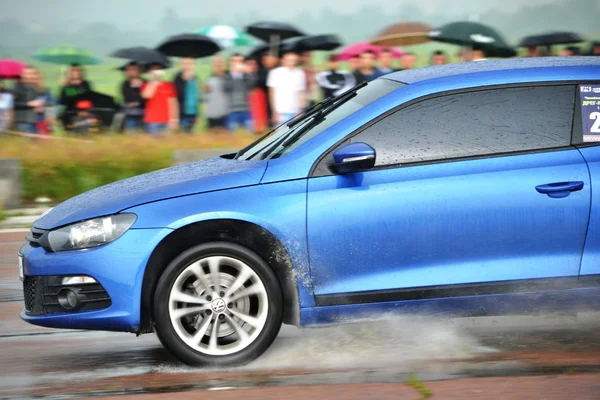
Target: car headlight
[91, 233]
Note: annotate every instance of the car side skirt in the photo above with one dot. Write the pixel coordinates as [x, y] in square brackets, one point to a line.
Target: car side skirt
[515, 297]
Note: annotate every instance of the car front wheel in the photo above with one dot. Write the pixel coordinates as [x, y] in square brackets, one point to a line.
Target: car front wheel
[217, 304]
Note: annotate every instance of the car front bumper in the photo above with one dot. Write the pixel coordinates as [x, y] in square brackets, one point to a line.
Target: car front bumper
[118, 267]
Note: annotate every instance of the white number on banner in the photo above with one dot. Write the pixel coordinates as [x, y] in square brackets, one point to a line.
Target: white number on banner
[596, 126]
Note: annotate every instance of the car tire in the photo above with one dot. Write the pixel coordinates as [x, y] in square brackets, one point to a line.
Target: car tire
[228, 323]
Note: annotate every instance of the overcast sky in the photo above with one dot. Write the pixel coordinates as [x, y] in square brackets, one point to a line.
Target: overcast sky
[126, 12]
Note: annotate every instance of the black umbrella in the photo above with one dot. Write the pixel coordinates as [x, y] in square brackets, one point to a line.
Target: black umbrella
[550, 39]
[143, 67]
[103, 108]
[474, 35]
[273, 32]
[189, 45]
[266, 30]
[142, 56]
[311, 43]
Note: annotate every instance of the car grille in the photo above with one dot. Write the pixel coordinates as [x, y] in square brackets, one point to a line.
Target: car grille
[41, 295]
[29, 292]
[38, 237]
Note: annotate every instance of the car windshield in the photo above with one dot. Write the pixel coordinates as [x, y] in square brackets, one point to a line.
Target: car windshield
[286, 138]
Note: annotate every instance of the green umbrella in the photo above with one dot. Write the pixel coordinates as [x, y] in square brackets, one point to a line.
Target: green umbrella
[227, 36]
[66, 55]
[474, 35]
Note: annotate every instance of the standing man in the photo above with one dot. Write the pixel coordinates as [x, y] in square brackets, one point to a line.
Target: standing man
[186, 84]
[367, 71]
[162, 109]
[268, 62]
[354, 63]
[409, 61]
[6, 108]
[438, 58]
[216, 101]
[133, 103]
[312, 90]
[25, 101]
[334, 82]
[385, 61]
[287, 89]
[237, 85]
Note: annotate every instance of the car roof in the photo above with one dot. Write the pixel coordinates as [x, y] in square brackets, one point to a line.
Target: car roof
[536, 68]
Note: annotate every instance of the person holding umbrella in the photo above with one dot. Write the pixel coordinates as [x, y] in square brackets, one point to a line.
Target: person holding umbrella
[162, 109]
[188, 93]
[73, 85]
[237, 85]
[133, 103]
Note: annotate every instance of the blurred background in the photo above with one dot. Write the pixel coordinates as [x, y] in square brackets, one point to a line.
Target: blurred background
[67, 99]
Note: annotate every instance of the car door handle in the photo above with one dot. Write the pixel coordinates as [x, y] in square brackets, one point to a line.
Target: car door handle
[559, 190]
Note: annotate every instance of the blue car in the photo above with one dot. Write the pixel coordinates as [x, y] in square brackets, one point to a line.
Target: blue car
[463, 189]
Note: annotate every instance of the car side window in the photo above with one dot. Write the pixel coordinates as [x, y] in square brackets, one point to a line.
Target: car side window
[476, 123]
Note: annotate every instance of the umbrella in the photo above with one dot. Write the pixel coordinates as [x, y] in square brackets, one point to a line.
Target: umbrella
[11, 69]
[403, 34]
[142, 56]
[311, 43]
[227, 36]
[267, 30]
[66, 55]
[357, 48]
[189, 45]
[103, 107]
[273, 32]
[474, 34]
[551, 38]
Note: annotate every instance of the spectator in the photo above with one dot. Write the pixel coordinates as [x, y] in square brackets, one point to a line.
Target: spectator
[73, 85]
[237, 85]
[409, 61]
[25, 100]
[84, 119]
[439, 58]
[478, 54]
[186, 84]
[43, 119]
[257, 99]
[367, 71]
[312, 89]
[385, 61]
[6, 108]
[574, 51]
[268, 62]
[287, 89]
[354, 63]
[214, 95]
[133, 103]
[595, 49]
[532, 51]
[334, 82]
[162, 108]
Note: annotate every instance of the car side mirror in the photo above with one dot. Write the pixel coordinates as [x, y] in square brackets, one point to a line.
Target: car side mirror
[353, 157]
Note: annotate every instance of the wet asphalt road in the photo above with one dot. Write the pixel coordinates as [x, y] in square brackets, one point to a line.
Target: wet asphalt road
[51, 363]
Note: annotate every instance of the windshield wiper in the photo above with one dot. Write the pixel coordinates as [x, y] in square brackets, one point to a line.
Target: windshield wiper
[320, 106]
[318, 113]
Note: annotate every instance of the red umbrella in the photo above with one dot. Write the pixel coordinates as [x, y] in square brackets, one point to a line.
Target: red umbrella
[357, 48]
[11, 69]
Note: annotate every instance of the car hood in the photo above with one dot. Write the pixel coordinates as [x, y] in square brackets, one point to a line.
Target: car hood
[202, 176]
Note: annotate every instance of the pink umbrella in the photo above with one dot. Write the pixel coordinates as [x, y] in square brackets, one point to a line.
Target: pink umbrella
[357, 48]
[10, 69]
